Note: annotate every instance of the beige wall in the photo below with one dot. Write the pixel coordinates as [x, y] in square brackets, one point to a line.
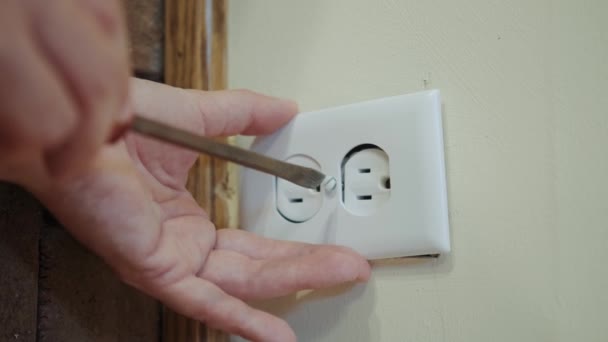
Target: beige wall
[525, 87]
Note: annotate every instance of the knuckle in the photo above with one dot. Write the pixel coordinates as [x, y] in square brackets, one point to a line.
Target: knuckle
[108, 15]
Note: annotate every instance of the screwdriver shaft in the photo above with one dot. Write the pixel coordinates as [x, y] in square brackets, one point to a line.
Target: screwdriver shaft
[300, 175]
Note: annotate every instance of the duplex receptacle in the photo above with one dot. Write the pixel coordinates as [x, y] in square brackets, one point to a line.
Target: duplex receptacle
[386, 154]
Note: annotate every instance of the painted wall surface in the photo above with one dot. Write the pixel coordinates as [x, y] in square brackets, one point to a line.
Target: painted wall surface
[525, 87]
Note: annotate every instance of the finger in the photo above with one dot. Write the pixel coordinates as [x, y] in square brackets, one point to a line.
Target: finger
[34, 109]
[203, 301]
[213, 113]
[242, 112]
[191, 110]
[258, 247]
[250, 279]
[94, 67]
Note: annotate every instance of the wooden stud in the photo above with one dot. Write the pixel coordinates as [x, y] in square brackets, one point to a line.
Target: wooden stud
[20, 224]
[195, 53]
[225, 174]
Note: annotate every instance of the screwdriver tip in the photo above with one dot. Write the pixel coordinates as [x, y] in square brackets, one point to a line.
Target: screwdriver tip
[330, 184]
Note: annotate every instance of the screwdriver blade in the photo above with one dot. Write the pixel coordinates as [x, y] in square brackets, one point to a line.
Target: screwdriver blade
[300, 175]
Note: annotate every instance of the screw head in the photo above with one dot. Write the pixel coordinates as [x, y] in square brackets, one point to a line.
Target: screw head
[330, 184]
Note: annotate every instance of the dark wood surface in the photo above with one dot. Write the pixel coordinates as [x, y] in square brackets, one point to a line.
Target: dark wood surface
[195, 54]
[51, 288]
[80, 299]
[20, 224]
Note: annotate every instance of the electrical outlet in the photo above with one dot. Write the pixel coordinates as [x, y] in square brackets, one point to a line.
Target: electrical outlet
[387, 157]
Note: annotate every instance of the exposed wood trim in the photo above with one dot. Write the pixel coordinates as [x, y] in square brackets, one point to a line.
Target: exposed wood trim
[195, 54]
[225, 174]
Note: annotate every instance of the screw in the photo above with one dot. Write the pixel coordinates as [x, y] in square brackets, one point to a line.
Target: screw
[330, 184]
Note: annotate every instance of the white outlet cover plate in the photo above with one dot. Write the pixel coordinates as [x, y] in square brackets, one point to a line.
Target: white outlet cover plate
[414, 221]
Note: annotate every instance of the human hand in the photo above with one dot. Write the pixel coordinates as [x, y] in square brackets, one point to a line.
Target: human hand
[64, 84]
[133, 210]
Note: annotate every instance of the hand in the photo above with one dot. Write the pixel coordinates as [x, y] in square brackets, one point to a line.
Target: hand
[64, 84]
[133, 210]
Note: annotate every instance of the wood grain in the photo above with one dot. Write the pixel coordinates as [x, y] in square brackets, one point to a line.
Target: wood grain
[195, 52]
[52, 289]
[20, 223]
[225, 175]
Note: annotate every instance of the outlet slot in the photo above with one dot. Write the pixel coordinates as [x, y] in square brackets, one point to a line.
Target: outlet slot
[296, 200]
[365, 198]
[365, 170]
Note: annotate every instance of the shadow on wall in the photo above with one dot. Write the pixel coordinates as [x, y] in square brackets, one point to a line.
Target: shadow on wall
[350, 307]
[354, 307]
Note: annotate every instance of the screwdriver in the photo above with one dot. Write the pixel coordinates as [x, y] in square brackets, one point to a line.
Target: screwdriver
[300, 175]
